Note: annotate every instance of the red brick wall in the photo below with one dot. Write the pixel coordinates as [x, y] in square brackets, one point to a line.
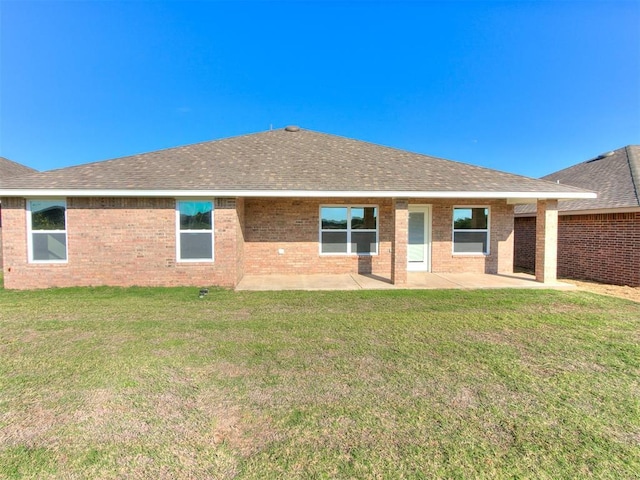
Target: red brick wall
[0, 236]
[119, 241]
[500, 258]
[599, 247]
[239, 239]
[129, 241]
[292, 224]
[524, 243]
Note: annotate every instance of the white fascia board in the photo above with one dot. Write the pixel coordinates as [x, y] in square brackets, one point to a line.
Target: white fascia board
[599, 211]
[532, 198]
[54, 192]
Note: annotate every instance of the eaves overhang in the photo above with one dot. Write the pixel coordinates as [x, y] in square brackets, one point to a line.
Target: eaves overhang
[511, 196]
[594, 211]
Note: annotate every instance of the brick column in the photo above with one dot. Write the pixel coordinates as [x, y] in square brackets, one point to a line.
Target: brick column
[503, 235]
[547, 241]
[239, 239]
[400, 238]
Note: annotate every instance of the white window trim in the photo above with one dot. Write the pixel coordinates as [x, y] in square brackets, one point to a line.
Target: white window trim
[470, 230]
[179, 231]
[30, 231]
[348, 231]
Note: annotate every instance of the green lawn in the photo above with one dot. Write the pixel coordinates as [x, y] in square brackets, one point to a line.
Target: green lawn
[157, 383]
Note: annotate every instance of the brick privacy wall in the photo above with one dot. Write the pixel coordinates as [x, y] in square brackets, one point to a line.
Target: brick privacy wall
[120, 242]
[598, 247]
[293, 225]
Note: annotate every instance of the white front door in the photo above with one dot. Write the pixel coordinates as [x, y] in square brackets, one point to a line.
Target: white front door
[419, 241]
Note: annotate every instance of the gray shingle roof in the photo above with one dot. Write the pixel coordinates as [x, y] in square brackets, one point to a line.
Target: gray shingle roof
[615, 176]
[10, 169]
[280, 160]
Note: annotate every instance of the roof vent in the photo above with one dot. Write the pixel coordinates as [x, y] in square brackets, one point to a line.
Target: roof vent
[291, 128]
[600, 157]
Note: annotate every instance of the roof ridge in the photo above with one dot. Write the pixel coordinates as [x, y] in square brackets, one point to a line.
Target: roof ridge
[634, 166]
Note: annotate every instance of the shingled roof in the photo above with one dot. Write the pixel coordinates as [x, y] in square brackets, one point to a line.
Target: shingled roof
[284, 162]
[615, 176]
[10, 169]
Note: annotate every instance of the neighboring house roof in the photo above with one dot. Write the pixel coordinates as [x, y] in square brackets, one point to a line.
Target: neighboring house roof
[285, 162]
[9, 169]
[615, 176]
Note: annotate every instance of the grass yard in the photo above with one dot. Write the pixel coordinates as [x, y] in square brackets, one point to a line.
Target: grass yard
[157, 383]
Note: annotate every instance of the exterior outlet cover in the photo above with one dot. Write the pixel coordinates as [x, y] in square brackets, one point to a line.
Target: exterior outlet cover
[281, 251]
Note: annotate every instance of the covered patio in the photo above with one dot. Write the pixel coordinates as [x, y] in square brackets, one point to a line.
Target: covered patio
[415, 280]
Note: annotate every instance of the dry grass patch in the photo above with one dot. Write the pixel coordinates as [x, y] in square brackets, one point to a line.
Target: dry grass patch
[621, 291]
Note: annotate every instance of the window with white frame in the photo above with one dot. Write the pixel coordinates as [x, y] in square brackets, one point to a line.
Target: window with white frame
[349, 230]
[47, 230]
[194, 220]
[471, 230]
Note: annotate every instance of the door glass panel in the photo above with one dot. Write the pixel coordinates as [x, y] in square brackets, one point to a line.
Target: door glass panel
[416, 237]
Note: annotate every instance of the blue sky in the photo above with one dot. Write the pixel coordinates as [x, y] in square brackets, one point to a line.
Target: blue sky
[526, 87]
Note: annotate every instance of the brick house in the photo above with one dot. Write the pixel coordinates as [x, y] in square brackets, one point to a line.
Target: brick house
[10, 169]
[288, 201]
[598, 239]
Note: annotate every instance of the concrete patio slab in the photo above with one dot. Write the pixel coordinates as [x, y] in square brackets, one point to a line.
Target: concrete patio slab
[298, 282]
[480, 280]
[416, 280]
